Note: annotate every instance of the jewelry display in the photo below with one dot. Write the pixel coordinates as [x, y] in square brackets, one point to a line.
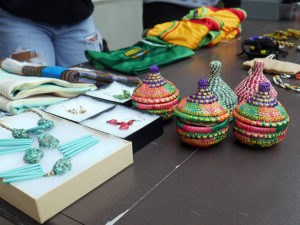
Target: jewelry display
[123, 125]
[61, 166]
[74, 111]
[278, 81]
[126, 95]
[45, 141]
[23, 140]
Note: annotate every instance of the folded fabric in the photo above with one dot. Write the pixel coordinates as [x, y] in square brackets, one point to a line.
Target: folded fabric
[20, 105]
[276, 66]
[13, 86]
[200, 27]
[139, 57]
[74, 75]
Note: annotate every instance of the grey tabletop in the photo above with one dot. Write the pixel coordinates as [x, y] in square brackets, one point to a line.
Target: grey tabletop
[173, 183]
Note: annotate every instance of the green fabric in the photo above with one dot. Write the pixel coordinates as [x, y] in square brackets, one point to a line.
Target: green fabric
[138, 61]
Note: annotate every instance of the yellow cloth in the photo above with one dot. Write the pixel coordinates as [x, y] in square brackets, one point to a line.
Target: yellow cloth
[200, 27]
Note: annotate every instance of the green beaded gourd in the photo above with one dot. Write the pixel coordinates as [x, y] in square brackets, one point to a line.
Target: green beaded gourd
[220, 88]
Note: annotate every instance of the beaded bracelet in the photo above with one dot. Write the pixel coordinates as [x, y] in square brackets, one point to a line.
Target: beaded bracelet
[277, 80]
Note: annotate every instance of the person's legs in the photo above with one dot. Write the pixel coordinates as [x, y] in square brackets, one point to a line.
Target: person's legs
[160, 12]
[25, 40]
[70, 42]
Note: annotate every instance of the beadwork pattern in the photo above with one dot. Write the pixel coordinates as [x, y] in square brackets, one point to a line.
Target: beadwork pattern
[261, 120]
[156, 94]
[250, 85]
[202, 119]
[220, 88]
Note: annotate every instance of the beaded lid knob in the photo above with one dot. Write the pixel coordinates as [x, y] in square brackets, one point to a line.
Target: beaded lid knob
[262, 109]
[250, 85]
[154, 79]
[202, 106]
[202, 95]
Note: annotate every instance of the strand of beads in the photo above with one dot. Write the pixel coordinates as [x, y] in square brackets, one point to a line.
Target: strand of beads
[278, 81]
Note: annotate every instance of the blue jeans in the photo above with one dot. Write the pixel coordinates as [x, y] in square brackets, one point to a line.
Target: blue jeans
[24, 39]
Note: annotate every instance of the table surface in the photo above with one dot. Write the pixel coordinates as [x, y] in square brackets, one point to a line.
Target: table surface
[174, 183]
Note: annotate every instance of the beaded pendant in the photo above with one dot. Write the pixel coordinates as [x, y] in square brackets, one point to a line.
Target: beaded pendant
[33, 155]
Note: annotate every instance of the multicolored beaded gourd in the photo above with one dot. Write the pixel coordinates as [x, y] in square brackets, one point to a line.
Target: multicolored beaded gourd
[220, 88]
[250, 84]
[156, 94]
[260, 121]
[202, 119]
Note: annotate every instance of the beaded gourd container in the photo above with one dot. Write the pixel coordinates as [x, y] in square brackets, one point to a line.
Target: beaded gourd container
[220, 88]
[260, 121]
[250, 84]
[156, 94]
[202, 119]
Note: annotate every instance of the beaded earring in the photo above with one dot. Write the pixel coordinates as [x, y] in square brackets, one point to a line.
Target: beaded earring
[126, 95]
[123, 125]
[74, 111]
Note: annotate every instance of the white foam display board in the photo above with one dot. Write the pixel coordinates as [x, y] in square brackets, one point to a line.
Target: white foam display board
[44, 197]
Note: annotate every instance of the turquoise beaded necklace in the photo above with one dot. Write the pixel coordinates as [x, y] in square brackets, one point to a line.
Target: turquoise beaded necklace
[23, 140]
[61, 166]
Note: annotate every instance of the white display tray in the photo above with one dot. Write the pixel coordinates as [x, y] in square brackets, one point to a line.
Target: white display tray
[107, 92]
[121, 114]
[92, 107]
[44, 197]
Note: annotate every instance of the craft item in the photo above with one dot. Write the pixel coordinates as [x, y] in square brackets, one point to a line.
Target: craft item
[137, 58]
[156, 94]
[74, 111]
[123, 125]
[202, 119]
[23, 140]
[76, 75]
[258, 47]
[220, 88]
[276, 66]
[126, 95]
[285, 43]
[260, 121]
[250, 84]
[204, 26]
[61, 166]
[278, 81]
[45, 141]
